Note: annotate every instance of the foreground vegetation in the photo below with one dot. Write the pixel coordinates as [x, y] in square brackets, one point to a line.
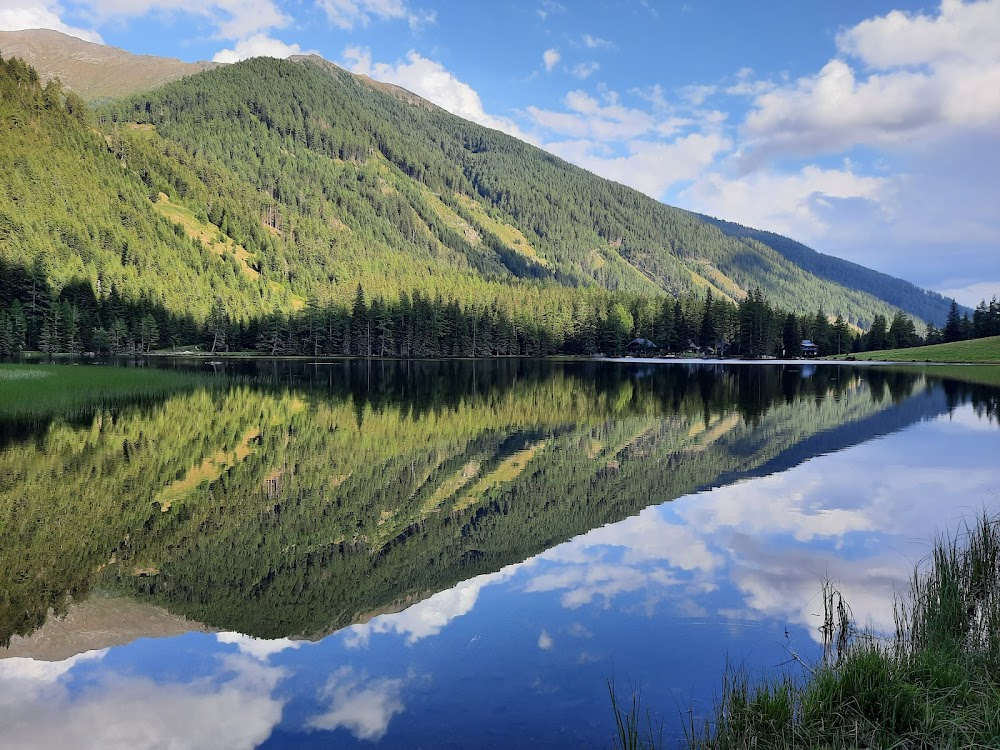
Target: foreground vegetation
[979, 351]
[935, 684]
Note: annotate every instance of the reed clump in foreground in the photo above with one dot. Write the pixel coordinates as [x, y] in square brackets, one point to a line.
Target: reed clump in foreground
[936, 684]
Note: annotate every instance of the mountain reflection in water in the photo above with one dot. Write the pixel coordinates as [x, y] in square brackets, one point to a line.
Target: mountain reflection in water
[516, 510]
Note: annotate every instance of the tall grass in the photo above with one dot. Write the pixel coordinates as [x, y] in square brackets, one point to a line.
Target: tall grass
[935, 684]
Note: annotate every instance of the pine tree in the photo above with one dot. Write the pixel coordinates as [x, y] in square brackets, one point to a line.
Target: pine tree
[953, 324]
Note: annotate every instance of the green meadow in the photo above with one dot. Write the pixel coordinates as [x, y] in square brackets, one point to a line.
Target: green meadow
[979, 351]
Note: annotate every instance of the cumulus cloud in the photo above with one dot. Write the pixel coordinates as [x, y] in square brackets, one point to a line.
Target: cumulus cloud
[362, 706]
[429, 617]
[35, 672]
[232, 709]
[545, 642]
[633, 555]
[259, 45]
[258, 648]
[585, 70]
[431, 80]
[960, 31]
[918, 72]
[551, 58]
[595, 42]
[650, 166]
[16, 15]
[549, 8]
[801, 204]
[971, 292]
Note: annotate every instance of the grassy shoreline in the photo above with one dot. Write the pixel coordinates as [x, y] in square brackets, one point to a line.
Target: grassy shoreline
[934, 684]
[977, 351]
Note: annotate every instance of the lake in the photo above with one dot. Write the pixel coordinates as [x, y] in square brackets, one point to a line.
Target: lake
[457, 554]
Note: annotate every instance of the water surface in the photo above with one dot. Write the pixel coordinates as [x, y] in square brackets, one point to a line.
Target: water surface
[456, 554]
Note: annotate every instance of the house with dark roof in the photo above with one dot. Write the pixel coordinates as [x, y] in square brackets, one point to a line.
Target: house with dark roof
[641, 346]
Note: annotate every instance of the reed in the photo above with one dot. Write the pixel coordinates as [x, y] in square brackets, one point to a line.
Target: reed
[934, 684]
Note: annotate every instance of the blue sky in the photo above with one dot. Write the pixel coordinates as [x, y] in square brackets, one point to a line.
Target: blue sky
[867, 130]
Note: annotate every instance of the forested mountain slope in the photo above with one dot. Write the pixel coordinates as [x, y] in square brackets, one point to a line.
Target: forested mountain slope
[921, 303]
[265, 185]
[73, 214]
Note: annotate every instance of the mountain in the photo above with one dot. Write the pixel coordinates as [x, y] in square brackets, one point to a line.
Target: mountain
[94, 71]
[921, 303]
[268, 185]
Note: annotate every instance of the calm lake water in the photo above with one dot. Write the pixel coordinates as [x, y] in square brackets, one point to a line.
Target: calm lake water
[451, 555]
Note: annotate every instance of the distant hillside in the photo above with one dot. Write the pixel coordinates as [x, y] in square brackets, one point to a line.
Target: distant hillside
[94, 71]
[921, 303]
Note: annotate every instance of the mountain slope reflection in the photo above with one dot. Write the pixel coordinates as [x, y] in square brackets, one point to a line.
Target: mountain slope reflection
[295, 510]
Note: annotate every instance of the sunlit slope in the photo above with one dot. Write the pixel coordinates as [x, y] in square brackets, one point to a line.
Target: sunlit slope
[72, 214]
[338, 165]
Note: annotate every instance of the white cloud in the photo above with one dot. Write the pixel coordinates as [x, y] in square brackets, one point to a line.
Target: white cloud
[921, 73]
[346, 14]
[363, 707]
[971, 292]
[696, 94]
[545, 642]
[27, 670]
[595, 42]
[258, 648]
[589, 118]
[429, 617]
[551, 58]
[259, 45]
[633, 555]
[960, 31]
[233, 709]
[16, 15]
[585, 70]
[432, 81]
[233, 19]
[799, 204]
[549, 8]
[650, 166]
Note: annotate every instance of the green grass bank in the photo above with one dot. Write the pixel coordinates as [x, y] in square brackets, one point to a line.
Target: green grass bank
[977, 351]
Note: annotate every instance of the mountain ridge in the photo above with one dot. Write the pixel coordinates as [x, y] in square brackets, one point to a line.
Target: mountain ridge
[313, 180]
[94, 71]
